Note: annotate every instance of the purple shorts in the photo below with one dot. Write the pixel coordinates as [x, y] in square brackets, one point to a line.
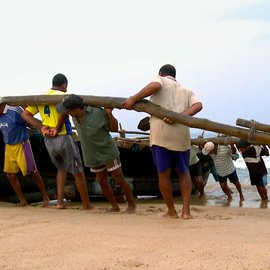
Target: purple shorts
[165, 159]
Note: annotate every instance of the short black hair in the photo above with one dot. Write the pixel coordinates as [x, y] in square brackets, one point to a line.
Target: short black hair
[243, 144]
[70, 103]
[168, 70]
[59, 79]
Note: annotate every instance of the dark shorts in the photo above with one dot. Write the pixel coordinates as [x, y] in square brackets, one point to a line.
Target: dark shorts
[64, 153]
[195, 169]
[165, 159]
[259, 181]
[233, 177]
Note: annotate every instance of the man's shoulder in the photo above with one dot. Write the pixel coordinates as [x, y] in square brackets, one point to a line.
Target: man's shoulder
[95, 110]
[54, 92]
[13, 109]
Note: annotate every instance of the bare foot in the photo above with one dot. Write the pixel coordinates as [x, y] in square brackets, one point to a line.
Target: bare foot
[59, 207]
[92, 209]
[84, 208]
[131, 209]
[113, 210]
[22, 204]
[46, 204]
[170, 215]
[186, 216]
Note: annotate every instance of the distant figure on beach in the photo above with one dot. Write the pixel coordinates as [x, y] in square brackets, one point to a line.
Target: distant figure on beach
[99, 150]
[170, 142]
[195, 170]
[61, 147]
[252, 155]
[222, 156]
[18, 152]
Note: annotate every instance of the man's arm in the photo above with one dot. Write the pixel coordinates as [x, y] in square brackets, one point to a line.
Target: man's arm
[113, 123]
[195, 108]
[147, 91]
[30, 120]
[192, 110]
[61, 120]
[35, 123]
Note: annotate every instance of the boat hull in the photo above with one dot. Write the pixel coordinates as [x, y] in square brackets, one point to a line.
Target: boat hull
[137, 166]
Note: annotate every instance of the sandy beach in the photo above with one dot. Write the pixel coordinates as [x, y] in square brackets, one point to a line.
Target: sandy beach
[218, 237]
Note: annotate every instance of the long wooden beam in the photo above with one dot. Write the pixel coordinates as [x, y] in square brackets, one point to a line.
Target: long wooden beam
[223, 140]
[252, 124]
[150, 108]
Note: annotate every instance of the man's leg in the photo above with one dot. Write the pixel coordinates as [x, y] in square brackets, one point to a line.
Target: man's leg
[39, 182]
[120, 179]
[239, 188]
[165, 188]
[14, 181]
[61, 181]
[226, 190]
[83, 191]
[185, 188]
[107, 190]
[263, 192]
[198, 183]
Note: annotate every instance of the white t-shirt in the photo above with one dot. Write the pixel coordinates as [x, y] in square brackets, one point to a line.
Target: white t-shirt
[175, 97]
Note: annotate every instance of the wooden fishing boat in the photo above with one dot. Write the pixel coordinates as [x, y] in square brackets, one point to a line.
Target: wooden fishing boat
[137, 166]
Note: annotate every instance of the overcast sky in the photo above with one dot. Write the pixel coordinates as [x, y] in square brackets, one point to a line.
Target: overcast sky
[221, 50]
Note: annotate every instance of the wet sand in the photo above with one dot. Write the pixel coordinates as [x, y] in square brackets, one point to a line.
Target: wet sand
[220, 236]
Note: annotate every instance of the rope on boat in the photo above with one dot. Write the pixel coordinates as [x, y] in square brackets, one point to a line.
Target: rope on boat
[252, 130]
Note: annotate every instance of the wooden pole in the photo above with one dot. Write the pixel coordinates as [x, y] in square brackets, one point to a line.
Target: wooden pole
[252, 124]
[150, 108]
[144, 141]
[223, 140]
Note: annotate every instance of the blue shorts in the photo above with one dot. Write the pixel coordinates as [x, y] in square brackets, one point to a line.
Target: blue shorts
[233, 177]
[165, 159]
[259, 181]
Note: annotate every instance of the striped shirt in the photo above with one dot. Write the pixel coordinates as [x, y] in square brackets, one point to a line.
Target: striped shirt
[223, 160]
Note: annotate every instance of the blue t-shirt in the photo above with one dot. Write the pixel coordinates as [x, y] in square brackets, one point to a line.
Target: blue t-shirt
[13, 126]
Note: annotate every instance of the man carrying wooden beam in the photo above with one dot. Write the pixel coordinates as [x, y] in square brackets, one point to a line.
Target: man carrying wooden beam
[170, 142]
[61, 147]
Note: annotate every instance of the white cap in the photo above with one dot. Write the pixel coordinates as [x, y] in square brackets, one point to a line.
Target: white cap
[208, 147]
